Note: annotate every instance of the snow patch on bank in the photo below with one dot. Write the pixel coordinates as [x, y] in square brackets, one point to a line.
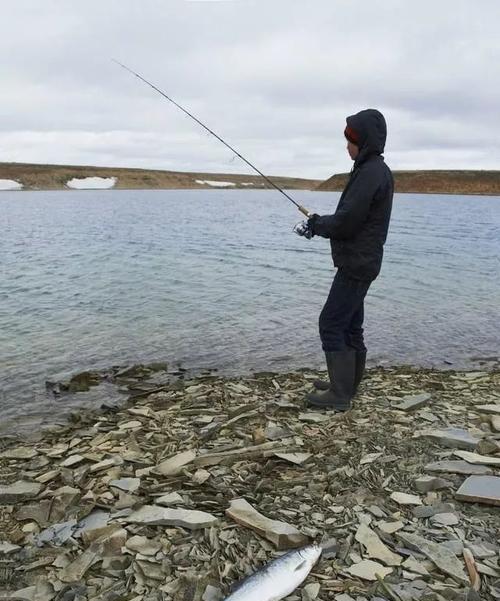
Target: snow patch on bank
[91, 183]
[10, 184]
[214, 183]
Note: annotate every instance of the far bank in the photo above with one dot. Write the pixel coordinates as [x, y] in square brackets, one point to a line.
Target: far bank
[31, 176]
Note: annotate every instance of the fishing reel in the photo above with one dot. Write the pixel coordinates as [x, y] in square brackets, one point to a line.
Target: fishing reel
[303, 229]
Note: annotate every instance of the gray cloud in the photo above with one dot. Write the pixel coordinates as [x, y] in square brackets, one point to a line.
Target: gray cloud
[275, 77]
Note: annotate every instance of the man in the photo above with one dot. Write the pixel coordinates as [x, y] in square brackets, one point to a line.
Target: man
[357, 232]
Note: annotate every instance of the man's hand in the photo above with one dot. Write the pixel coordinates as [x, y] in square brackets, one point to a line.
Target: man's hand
[303, 229]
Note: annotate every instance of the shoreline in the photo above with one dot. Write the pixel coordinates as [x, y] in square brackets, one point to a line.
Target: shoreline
[82, 391]
[126, 487]
[399, 193]
[45, 177]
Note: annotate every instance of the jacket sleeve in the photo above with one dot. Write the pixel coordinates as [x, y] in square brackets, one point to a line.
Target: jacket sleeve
[350, 216]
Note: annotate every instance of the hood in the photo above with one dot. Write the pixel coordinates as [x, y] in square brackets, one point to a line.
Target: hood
[372, 131]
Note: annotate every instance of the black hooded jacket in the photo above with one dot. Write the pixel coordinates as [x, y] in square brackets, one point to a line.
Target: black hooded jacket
[358, 228]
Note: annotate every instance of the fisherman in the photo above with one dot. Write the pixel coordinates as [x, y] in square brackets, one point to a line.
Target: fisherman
[357, 232]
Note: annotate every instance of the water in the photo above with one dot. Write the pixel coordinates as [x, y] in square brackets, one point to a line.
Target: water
[217, 279]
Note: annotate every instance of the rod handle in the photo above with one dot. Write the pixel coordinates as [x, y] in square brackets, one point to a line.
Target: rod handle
[304, 210]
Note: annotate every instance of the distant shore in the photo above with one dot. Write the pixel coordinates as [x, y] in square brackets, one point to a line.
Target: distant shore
[463, 182]
[31, 176]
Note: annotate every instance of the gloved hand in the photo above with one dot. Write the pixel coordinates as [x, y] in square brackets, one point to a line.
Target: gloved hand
[303, 229]
[306, 228]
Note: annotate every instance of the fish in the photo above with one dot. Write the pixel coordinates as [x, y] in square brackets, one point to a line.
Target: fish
[279, 578]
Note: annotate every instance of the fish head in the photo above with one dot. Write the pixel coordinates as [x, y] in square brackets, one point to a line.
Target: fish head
[310, 554]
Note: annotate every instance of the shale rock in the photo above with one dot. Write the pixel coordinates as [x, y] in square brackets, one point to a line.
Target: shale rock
[282, 535]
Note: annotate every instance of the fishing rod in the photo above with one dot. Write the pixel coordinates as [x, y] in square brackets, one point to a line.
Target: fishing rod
[300, 207]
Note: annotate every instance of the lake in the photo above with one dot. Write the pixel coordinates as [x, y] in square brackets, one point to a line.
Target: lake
[209, 278]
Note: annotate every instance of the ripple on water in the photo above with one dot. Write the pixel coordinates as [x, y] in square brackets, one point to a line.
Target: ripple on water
[99, 278]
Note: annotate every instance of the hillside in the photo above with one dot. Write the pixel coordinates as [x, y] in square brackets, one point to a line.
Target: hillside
[433, 182]
[56, 177]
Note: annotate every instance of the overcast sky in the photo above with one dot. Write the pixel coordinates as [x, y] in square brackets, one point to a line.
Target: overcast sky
[276, 78]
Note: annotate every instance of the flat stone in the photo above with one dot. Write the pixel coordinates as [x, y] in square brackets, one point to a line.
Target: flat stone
[296, 458]
[487, 570]
[72, 460]
[368, 570]
[38, 512]
[281, 534]
[162, 516]
[411, 591]
[480, 489]
[41, 591]
[212, 593]
[57, 534]
[313, 417]
[427, 511]
[47, 476]
[429, 483]
[455, 438]
[454, 545]
[413, 402]
[476, 458]
[201, 476]
[126, 484]
[415, 566]
[276, 433]
[376, 511]
[174, 465]
[495, 423]
[391, 527]
[445, 519]
[375, 547]
[106, 463]
[143, 545]
[458, 467]
[19, 453]
[111, 541]
[75, 571]
[125, 500]
[6, 548]
[173, 498]
[440, 556]
[482, 551]
[369, 458]
[96, 519]
[19, 491]
[311, 591]
[131, 425]
[493, 408]
[489, 446]
[403, 498]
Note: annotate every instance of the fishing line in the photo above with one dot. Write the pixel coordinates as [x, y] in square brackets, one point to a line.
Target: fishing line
[300, 207]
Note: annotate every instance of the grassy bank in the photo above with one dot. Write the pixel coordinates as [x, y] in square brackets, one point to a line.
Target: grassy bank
[432, 182]
[55, 177]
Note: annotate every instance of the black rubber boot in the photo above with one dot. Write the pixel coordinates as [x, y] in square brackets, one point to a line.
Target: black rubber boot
[341, 371]
[360, 370]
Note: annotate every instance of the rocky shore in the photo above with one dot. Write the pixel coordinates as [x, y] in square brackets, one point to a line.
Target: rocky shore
[195, 483]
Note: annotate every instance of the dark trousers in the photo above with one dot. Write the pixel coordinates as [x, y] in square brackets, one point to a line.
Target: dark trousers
[341, 319]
